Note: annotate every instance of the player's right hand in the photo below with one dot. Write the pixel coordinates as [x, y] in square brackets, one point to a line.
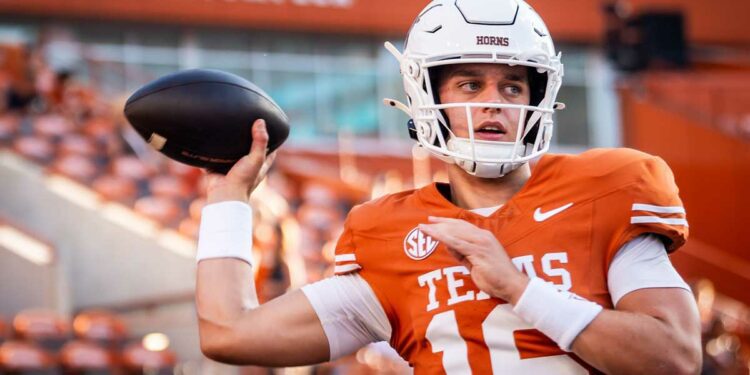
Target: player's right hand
[246, 174]
[492, 270]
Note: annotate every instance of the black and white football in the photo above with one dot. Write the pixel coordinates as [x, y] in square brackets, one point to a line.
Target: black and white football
[204, 117]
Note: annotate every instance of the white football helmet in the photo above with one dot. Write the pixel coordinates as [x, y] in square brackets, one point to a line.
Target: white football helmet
[479, 31]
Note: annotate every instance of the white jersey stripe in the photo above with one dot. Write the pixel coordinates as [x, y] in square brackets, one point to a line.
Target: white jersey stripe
[345, 258]
[346, 268]
[658, 220]
[658, 209]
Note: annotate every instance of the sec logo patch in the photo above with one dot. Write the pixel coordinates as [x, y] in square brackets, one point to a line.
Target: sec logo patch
[418, 245]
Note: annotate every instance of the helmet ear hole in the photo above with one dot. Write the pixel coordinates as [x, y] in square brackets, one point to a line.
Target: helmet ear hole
[537, 91]
[531, 135]
[537, 86]
[412, 129]
[434, 76]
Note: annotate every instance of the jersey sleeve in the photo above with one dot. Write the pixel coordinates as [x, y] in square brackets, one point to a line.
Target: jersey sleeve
[642, 263]
[349, 312]
[650, 203]
[360, 251]
[345, 258]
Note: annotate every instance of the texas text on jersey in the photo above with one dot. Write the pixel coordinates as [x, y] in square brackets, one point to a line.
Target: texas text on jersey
[564, 226]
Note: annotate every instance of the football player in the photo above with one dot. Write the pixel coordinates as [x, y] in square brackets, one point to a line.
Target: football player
[561, 271]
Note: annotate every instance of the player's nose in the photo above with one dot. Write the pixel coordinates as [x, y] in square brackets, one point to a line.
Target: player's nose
[492, 96]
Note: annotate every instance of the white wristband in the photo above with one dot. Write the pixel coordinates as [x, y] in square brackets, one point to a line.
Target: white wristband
[559, 315]
[226, 231]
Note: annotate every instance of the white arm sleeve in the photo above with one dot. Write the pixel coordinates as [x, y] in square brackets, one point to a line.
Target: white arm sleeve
[350, 313]
[642, 263]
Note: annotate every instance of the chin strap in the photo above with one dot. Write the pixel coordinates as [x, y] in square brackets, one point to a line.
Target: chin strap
[493, 170]
[484, 150]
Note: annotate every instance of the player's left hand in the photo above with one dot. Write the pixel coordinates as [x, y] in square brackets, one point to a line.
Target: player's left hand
[491, 269]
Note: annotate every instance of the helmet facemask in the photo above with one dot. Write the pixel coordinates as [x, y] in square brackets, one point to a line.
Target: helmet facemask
[480, 158]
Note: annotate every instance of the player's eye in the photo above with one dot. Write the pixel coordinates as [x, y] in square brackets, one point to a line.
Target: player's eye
[513, 90]
[469, 86]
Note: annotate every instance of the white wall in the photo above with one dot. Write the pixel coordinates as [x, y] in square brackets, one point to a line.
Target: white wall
[103, 262]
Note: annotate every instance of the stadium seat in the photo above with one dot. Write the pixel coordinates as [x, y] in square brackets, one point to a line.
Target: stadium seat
[116, 188]
[132, 167]
[37, 148]
[55, 126]
[137, 360]
[77, 167]
[78, 144]
[9, 126]
[166, 211]
[45, 327]
[79, 357]
[99, 129]
[169, 186]
[19, 357]
[100, 326]
[189, 174]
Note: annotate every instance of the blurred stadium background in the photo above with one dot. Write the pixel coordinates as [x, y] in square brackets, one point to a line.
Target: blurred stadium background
[97, 232]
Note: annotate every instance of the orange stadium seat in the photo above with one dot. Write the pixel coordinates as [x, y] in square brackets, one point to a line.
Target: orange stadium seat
[99, 129]
[37, 148]
[169, 186]
[116, 188]
[77, 167]
[189, 174]
[17, 357]
[9, 125]
[101, 326]
[44, 327]
[137, 360]
[132, 167]
[166, 211]
[85, 357]
[77, 144]
[52, 126]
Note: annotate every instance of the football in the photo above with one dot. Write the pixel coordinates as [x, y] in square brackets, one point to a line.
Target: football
[204, 117]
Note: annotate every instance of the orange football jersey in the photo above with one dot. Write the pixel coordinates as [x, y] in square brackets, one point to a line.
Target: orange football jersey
[565, 226]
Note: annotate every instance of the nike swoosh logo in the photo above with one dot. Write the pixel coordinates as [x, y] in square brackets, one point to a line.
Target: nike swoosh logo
[540, 216]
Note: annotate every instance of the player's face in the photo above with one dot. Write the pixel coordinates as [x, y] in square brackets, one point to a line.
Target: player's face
[485, 83]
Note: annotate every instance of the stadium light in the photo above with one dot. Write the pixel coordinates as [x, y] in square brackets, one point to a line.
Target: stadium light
[25, 246]
[155, 342]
